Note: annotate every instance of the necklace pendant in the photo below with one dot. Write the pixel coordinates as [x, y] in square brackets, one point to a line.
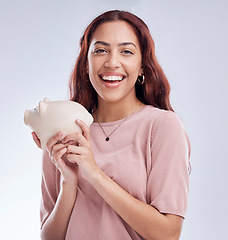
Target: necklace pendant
[107, 139]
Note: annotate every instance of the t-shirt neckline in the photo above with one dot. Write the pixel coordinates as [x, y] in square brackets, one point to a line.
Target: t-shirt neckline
[123, 119]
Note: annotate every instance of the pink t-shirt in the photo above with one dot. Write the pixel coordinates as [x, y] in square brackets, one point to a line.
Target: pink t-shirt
[147, 156]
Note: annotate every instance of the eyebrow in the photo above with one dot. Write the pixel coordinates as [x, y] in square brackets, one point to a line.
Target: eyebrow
[120, 44]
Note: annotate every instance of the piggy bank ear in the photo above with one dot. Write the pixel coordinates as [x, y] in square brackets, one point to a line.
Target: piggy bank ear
[42, 107]
[46, 99]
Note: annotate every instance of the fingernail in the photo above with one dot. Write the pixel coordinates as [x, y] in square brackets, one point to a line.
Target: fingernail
[60, 134]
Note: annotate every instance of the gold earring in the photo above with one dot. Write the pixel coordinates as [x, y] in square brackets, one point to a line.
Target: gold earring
[141, 80]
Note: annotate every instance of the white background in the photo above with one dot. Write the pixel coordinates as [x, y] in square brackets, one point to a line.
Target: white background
[38, 47]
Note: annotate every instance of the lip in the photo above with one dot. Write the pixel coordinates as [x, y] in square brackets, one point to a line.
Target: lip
[109, 74]
[111, 83]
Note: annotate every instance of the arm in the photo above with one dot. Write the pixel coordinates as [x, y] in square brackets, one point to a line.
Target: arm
[143, 218]
[59, 212]
[55, 227]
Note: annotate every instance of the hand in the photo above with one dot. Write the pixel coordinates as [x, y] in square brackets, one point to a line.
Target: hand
[81, 151]
[57, 153]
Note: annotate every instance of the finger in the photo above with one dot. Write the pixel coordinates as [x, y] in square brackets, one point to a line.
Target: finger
[36, 139]
[72, 138]
[71, 149]
[85, 129]
[57, 147]
[69, 141]
[57, 157]
[79, 140]
[53, 140]
[73, 158]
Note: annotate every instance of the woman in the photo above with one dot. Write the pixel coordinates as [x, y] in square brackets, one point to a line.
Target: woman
[127, 176]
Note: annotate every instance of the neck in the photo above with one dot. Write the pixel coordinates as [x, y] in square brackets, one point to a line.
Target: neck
[110, 112]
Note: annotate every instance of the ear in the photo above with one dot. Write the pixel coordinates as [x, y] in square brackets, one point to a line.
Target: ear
[141, 72]
[46, 99]
[42, 107]
[87, 68]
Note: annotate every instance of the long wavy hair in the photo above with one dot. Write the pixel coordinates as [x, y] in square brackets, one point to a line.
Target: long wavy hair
[156, 89]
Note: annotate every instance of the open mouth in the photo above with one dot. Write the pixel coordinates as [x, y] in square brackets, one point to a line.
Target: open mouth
[111, 79]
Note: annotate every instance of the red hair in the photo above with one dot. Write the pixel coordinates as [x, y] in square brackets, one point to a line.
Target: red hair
[156, 89]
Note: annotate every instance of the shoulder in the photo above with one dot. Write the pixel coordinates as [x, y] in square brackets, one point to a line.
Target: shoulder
[168, 130]
[167, 120]
[154, 122]
[159, 117]
[163, 124]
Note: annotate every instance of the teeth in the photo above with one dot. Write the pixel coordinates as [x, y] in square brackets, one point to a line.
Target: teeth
[112, 78]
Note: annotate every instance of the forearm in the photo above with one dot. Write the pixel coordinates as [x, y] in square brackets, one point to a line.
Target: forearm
[56, 225]
[143, 218]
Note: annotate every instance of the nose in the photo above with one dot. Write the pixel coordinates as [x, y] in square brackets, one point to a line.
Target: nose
[113, 61]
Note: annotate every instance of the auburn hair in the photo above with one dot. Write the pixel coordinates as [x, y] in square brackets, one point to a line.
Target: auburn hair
[156, 89]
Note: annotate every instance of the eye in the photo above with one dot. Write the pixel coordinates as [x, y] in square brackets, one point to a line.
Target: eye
[100, 51]
[127, 52]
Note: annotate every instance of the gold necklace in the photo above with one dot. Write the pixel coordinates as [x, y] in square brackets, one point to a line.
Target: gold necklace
[108, 136]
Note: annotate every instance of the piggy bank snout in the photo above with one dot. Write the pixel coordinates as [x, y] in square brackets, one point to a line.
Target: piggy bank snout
[49, 117]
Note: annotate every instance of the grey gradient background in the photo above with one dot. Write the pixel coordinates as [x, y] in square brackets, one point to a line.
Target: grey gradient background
[38, 47]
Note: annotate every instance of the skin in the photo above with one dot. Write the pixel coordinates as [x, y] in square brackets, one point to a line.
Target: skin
[109, 54]
[115, 50]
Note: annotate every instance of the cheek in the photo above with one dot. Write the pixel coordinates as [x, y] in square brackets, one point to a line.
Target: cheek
[134, 71]
[93, 69]
[94, 81]
[93, 62]
[93, 77]
[134, 67]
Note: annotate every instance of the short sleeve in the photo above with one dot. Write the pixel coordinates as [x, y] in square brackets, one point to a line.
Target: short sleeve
[49, 187]
[168, 181]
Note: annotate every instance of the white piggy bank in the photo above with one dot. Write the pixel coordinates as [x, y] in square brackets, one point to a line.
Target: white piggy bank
[50, 117]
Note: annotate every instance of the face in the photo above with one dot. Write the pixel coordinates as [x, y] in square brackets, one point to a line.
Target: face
[114, 61]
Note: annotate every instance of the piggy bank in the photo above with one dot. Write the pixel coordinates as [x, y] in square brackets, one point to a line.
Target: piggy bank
[50, 117]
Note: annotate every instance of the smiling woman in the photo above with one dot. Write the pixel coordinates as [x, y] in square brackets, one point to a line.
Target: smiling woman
[114, 63]
[127, 176]
[155, 90]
